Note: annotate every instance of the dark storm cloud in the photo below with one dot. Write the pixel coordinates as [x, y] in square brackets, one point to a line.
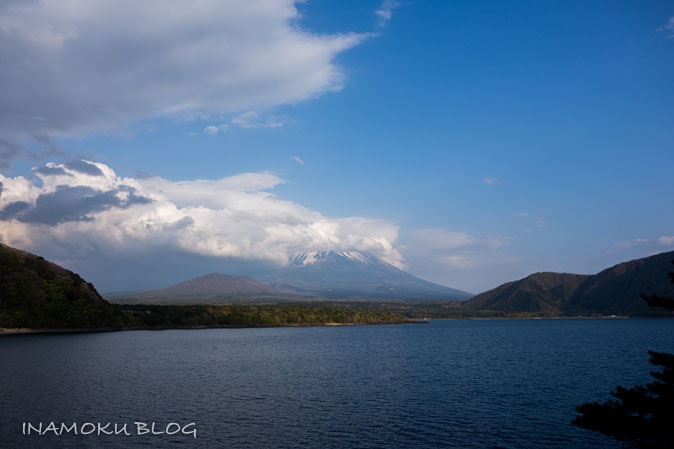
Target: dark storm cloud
[9, 150]
[84, 167]
[12, 209]
[70, 204]
[12, 148]
[51, 148]
[49, 171]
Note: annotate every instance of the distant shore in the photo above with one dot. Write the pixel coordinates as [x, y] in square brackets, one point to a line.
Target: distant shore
[27, 331]
[580, 317]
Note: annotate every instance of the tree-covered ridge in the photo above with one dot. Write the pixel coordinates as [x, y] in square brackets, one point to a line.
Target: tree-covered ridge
[36, 293]
[613, 291]
[147, 316]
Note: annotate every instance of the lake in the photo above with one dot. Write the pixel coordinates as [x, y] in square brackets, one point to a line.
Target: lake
[470, 383]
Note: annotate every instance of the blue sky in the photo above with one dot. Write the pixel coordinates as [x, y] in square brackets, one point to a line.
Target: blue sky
[471, 143]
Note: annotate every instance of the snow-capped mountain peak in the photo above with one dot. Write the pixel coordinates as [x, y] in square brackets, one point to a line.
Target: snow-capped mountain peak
[313, 257]
[354, 273]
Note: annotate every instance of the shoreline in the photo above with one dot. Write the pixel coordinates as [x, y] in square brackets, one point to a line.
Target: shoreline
[31, 331]
[607, 317]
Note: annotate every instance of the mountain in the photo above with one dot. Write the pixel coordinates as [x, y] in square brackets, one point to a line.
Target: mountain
[36, 293]
[538, 292]
[345, 274]
[617, 290]
[210, 288]
[614, 291]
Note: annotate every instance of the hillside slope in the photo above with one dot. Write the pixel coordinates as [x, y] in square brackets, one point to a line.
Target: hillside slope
[617, 290]
[39, 294]
[539, 292]
[614, 291]
[208, 289]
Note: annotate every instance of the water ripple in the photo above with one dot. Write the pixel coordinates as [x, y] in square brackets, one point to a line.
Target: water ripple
[458, 384]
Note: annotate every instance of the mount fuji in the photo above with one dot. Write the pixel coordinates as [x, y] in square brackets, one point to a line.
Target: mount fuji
[343, 274]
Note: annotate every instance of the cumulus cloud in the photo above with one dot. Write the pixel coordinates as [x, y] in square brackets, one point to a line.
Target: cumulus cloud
[385, 11]
[84, 207]
[71, 204]
[80, 66]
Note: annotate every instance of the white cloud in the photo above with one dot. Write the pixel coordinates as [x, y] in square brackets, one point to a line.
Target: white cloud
[213, 130]
[626, 244]
[385, 11]
[668, 27]
[666, 240]
[644, 243]
[83, 207]
[247, 120]
[490, 180]
[72, 67]
[445, 249]
[254, 119]
[298, 160]
[458, 259]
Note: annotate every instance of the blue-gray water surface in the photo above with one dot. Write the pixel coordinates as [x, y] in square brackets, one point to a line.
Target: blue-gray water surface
[482, 384]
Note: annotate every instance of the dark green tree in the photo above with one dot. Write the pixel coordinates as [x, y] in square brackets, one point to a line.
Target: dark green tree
[643, 416]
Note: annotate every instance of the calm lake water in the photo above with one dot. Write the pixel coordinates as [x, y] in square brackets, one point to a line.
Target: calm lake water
[505, 384]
